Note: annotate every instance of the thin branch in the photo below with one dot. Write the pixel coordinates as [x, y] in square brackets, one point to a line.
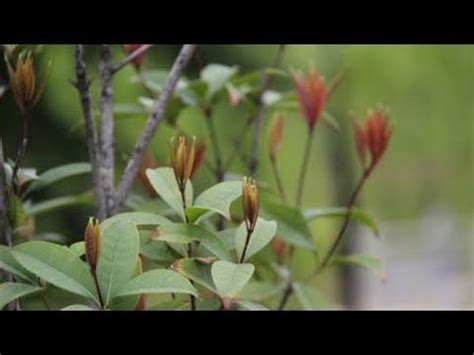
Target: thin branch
[106, 136]
[219, 169]
[154, 119]
[265, 83]
[279, 181]
[5, 231]
[82, 85]
[115, 68]
[340, 235]
[304, 168]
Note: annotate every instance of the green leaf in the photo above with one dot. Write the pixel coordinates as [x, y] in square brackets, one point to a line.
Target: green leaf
[228, 237]
[186, 233]
[60, 202]
[292, 227]
[78, 307]
[216, 76]
[196, 271]
[364, 261]
[156, 250]
[218, 199]
[164, 182]
[250, 306]
[230, 278]
[158, 281]
[260, 290]
[310, 298]
[356, 215]
[10, 291]
[9, 264]
[176, 305]
[138, 218]
[261, 236]
[78, 248]
[58, 173]
[118, 258]
[57, 265]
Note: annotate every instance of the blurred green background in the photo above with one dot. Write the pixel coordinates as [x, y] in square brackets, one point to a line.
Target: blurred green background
[428, 89]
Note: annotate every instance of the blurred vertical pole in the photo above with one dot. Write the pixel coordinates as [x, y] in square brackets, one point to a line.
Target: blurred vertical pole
[342, 172]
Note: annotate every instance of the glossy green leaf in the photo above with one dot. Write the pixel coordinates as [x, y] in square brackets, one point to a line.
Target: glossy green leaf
[196, 271]
[138, 218]
[78, 248]
[58, 173]
[356, 215]
[9, 264]
[156, 250]
[364, 261]
[10, 291]
[230, 278]
[158, 281]
[218, 199]
[60, 202]
[118, 258]
[292, 227]
[310, 298]
[164, 182]
[78, 307]
[260, 290]
[56, 265]
[261, 236]
[251, 306]
[216, 76]
[186, 233]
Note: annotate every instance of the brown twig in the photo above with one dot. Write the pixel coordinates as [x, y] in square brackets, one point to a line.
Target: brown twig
[154, 119]
[82, 84]
[142, 49]
[106, 135]
[247, 239]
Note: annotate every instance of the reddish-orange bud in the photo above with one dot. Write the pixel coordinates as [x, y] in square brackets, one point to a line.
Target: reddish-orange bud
[139, 59]
[92, 242]
[250, 202]
[23, 84]
[279, 248]
[199, 155]
[183, 153]
[277, 127]
[373, 138]
[311, 94]
[148, 162]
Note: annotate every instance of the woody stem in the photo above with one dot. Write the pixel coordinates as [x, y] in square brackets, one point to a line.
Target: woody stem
[96, 283]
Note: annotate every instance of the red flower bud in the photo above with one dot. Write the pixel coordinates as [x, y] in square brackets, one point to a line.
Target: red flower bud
[373, 138]
[312, 96]
[138, 60]
[199, 155]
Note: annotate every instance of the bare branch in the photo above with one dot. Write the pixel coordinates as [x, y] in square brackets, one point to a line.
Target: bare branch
[106, 133]
[265, 83]
[154, 119]
[82, 85]
[130, 57]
